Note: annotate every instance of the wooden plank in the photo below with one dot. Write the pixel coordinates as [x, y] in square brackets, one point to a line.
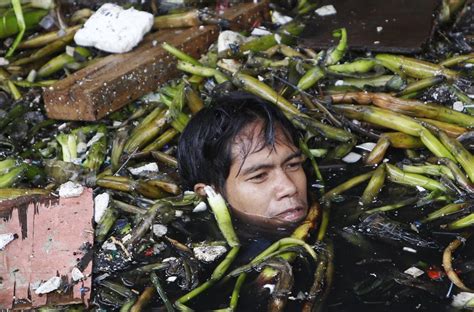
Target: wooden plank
[116, 80]
[398, 26]
[53, 237]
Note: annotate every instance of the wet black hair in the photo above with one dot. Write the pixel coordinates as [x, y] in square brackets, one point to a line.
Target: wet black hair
[205, 146]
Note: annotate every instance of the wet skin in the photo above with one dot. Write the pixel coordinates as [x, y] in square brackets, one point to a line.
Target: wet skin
[267, 188]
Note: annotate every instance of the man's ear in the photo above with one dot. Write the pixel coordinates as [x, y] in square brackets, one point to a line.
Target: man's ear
[199, 189]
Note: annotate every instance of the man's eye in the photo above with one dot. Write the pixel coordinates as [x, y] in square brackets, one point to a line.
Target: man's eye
[294, 165]
[259, 177]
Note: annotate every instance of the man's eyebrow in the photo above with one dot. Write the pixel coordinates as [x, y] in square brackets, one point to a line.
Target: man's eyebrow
[256, 168]
[293, 155]
[268, 166]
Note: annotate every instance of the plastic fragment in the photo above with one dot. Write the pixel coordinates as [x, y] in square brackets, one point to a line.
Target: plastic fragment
[326, 10]
[5, 239]
[76, 274]
[414, 271]
[209, 253]
[151, 167]
[462, 299]
[160, 230]
[70, 189]
[101, 202]
[352, 157]
[200, 207]
[227, 39]
[50, 285]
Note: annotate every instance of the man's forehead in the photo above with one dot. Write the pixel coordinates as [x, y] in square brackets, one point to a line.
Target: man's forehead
[252, 139]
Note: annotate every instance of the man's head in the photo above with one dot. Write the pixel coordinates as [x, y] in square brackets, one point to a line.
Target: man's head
[247, 150]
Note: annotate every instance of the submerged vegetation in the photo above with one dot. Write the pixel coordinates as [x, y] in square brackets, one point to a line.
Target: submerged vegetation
[389, 141]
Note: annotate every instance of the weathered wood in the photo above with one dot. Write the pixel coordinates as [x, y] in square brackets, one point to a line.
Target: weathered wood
[53, 237]
[398, 26]
[116, 80]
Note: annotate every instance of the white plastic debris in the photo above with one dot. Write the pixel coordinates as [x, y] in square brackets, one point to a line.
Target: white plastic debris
[270, 287]
[200, 207]
[151, 167]
[339, 83]
[113, 29]
[326, 10]
[70, 50]
[126, 237]
[379, 28]
[278, 18]
[70, 189]
[4, 61]
[458, 106]
[230, 65]
[227, 39]
[171, 279]
[5, 239]
[209, 253]
[409, 249]
[76, 274]
[159, 230]
[420, 188]
[109, 246]
[367, 146]
[414, 271]
[50, 285]
[260, 31]
[277, 38]
[178, 213]
[352, 158]
[101, 202]
[81, 147]
[462, 299]
[95, 138]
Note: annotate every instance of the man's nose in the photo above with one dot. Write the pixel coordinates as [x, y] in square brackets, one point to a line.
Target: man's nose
[284, 185]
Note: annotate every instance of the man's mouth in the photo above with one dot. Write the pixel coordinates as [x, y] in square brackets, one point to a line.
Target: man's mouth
[292, 214]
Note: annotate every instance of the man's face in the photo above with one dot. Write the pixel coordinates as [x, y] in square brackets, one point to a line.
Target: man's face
[268, 187]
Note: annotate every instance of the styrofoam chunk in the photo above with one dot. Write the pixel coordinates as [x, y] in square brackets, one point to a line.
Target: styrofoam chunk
[260, 31]
[460, 300]
[326, 10]
[209, 253]
[278, 18]
[151, 167]
[160, 230]
[228, 38]
[414, 271]
[113, 29]
[70, 189]
[458, 106]
[101, 202]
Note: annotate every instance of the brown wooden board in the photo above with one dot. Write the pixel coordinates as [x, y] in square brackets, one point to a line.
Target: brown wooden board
[116, 80]
[53, 237]
[405, 25]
